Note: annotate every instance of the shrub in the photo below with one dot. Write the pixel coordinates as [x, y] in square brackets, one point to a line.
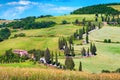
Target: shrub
[118, 70]
[19, 35]
[109, 40]
[105, 71]
[64, 22]
[105, 40]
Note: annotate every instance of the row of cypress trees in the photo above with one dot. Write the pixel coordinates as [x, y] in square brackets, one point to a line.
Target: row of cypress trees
[90, 51]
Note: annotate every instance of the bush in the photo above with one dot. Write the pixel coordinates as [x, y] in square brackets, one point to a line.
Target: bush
[118, 70]
[105, 71]
[19, 35]
[109, 40]
[105, 40]
[64, 22]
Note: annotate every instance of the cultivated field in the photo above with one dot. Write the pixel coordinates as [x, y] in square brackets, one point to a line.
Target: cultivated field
[51, 74]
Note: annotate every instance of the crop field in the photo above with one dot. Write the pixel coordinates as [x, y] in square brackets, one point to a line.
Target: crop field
[53, 74]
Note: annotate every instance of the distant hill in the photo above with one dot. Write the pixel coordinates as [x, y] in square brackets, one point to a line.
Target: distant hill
[112, 8]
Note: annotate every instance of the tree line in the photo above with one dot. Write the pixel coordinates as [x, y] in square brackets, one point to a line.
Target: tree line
[29, 23]
[101, 9]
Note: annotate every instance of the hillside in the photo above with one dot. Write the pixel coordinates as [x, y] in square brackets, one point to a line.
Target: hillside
[48, 37]
[112, 8]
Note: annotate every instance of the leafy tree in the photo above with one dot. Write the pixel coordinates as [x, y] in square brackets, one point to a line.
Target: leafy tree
[69, 63]
[80, 66]
[47, 55]
[4, 34]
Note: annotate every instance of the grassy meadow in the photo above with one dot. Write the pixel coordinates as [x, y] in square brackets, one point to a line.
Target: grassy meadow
[68, 18]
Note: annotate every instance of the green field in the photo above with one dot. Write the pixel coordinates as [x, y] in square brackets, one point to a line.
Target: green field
[108, 53]
[69, 18]
[38, 38]
[57, 31]
[26, 64]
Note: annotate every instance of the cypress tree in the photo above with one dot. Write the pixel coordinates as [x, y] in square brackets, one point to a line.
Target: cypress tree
[67, 51]
[91, 48]
[94, 49]
[87, 29]
[69, 63]
[59, 54]
[96, 19]
[83, 30]
[87, 38]
[70, 40]
[47, 55]
[83, 21]
[80, 33]
[76, 21]
[52, 57]
[83, 52]
[72, 52]
[56, 58]
[80, 66]
[88, 52]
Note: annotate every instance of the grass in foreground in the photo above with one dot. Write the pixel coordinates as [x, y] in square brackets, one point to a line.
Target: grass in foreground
[51, 74]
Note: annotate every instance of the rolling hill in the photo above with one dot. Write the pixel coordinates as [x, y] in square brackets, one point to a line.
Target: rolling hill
[112, 8]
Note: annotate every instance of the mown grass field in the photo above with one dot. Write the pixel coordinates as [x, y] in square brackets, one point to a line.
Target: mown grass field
[51, 74]
[27, 64]
[68, 18]
[56, 31]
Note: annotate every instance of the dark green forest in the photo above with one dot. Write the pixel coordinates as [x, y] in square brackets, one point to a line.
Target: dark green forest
[101, 8]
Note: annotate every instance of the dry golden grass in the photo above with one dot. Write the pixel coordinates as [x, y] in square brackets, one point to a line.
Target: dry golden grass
[9, 73]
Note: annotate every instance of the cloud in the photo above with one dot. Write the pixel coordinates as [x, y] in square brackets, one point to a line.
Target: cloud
[14, 12]
[16, 9]
[56, 9]
[22, 2]
[56, 0]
